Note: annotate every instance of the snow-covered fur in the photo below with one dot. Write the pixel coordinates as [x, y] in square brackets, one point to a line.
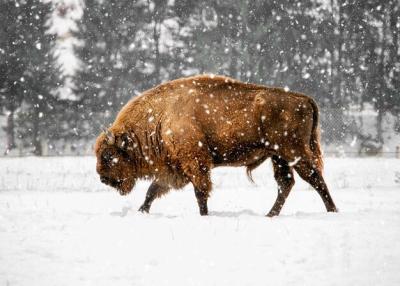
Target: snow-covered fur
[178, 131]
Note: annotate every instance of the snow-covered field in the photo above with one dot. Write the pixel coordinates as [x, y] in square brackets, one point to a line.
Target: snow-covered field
[60, 226]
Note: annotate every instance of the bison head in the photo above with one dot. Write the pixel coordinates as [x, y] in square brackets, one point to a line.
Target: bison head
[114, 164]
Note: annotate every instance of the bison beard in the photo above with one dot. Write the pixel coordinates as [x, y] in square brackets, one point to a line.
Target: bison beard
[175, 133]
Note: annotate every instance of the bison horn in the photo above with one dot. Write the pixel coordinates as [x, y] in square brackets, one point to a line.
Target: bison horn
[110, 136]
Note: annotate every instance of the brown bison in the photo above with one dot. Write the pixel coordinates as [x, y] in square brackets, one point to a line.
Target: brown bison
[175, 133]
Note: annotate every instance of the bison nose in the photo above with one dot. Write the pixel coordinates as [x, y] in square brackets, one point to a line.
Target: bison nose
[103, 179]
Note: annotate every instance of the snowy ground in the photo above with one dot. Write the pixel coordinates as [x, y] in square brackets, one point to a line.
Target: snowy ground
[60, 226]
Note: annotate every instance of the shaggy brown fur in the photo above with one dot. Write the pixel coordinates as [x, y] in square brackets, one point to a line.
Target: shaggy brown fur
[178, 131]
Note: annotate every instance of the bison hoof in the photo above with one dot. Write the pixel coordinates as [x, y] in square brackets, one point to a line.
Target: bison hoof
[144, 209]
[272, 214]
[203, 212]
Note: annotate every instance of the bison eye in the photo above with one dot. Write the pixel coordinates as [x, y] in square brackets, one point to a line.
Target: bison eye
[107, 157]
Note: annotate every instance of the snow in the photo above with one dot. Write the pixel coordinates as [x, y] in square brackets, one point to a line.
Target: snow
[60, 226]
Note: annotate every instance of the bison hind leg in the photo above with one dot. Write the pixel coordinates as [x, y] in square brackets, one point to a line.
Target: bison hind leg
[312, 174]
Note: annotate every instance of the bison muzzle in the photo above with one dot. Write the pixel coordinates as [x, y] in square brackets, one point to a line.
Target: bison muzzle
[175, 133]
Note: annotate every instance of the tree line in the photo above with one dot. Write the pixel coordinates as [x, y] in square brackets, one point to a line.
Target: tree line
[344, 53]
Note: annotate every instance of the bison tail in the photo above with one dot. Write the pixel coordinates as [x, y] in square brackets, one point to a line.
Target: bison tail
[315, 141]
[251, 167]
[249, 174]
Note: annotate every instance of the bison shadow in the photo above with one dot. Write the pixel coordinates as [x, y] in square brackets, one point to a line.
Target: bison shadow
[245, 212]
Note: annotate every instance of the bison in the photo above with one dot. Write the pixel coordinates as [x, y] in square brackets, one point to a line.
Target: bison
[176, 132]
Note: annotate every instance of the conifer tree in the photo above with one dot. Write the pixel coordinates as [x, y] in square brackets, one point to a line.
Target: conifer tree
[111, 59]
[30, 76]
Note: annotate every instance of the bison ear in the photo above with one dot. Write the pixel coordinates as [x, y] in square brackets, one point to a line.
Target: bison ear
[124, 141]
[109, 136]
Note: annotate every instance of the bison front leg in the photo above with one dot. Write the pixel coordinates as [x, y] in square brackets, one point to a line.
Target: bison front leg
[202, 197]
[155, 190]
[199, 175]
[284, 177]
